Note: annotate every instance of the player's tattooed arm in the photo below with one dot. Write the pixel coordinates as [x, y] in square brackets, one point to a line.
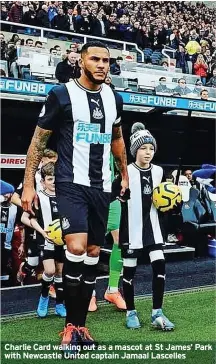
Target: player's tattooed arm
[35, 154]
[119, 151]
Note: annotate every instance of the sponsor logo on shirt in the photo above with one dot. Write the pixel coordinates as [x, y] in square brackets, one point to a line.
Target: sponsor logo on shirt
[90, 133]
[4, 230]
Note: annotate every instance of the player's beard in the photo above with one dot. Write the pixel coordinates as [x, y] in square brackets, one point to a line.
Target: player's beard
[91, 77]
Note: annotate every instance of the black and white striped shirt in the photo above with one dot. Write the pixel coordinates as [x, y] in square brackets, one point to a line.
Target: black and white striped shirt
[8, 218]
[46, 213]
[141, 223]
[83, 120]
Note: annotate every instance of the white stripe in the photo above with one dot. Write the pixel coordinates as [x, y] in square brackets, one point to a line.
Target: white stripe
[76, 278]
[110, 110]
[58, 279]
[91, 260]
[156, 255]
[87, 282]
[129, 262]
[74, 258]
[46, 213]
[46, 278]
[160, 276]
[80, 113]
[135, 223]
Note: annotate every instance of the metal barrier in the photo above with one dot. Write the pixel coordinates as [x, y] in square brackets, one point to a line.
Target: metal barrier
[85, 37]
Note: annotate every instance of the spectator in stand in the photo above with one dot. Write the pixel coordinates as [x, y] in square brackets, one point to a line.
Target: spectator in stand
[193, 47]
[2, 73]
[52, 10]
[16, 12]
[71, 18]
[201, 68]
[198, 87]
[182, 88]
[42, 17]
[204, 95]
[112, 27]
[108, 81]
[29, 42]
[212, 81]
[98, 24]
[29, 16]
[182, 58]
[38, 44]
[74, 47]
[61, 21]
[82, 24]
[175, 39]
[3, 47]
[4, 13]
[115, 68]
[68, 69]
[58, 50]
[162, 87]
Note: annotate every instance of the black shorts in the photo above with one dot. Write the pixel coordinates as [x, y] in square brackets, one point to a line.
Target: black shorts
[139, 253]
[35, 247]
[83, 209]
[57, 254]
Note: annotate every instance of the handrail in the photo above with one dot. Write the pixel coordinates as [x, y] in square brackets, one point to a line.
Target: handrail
[166, 55]
[84, 36]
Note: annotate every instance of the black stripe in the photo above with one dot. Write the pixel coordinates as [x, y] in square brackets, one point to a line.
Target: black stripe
[64, 135]
[96, 150]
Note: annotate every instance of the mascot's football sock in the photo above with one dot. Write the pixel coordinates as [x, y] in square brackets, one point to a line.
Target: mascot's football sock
[128, 287]
[46, 282]
[59, 289]
[158, 282]
[87, 287]
[115, 268]
[72, 278]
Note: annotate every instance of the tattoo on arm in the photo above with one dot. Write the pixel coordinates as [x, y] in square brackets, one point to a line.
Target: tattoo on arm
[117, 132]
[35, 154]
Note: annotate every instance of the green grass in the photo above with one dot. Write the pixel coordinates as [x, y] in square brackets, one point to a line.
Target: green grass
[193, 314]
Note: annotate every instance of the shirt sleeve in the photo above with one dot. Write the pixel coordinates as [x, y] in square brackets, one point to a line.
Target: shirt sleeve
[50, 112]
[119, 108]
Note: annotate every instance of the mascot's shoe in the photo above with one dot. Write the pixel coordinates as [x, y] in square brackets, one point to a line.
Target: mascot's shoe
[60, 310]
[42, 309]
[92, 305]
[116, 298]
[132, 321]
[52, 291]
[160, 321]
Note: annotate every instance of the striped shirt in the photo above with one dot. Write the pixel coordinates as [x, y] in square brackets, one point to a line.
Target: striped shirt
[83, 120]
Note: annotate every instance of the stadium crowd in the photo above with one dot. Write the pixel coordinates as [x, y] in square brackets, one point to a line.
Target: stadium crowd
[187, 28]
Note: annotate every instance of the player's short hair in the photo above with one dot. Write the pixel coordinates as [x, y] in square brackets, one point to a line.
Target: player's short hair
[48, 170]
[49, 153]
[95, 43]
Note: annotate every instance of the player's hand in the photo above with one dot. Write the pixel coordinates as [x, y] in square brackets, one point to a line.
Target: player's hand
[46, 236]
[29, 196]
[125, 191]
[21, 250]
